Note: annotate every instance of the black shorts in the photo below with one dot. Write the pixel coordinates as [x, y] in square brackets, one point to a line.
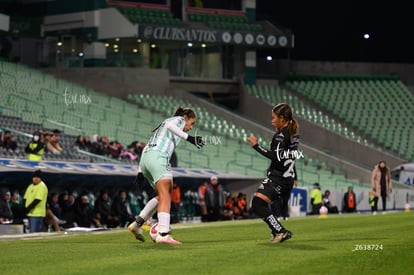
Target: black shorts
[275, 189]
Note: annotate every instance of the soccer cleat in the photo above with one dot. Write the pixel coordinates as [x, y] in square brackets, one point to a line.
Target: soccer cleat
[281, 237]
[136, 231]
[167, 239]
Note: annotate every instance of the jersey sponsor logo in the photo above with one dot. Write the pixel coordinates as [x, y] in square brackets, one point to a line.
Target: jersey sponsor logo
[274, 222]
[288, 154]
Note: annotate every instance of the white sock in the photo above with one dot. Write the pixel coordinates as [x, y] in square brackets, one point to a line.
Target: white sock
[149, 209]
[163, 222]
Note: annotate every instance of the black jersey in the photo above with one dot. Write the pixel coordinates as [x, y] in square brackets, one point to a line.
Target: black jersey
[282, 154]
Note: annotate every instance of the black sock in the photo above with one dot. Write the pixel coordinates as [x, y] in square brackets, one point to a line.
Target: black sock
[140, 221]
[261, 208]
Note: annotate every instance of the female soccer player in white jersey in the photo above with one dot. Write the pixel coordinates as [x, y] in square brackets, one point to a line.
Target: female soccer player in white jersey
[281, 172]
[155, 167]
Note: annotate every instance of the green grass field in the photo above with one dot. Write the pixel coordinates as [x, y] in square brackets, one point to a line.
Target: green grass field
[339, 244]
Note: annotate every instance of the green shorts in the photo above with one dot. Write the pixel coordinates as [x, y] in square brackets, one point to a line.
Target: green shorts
[155, 166]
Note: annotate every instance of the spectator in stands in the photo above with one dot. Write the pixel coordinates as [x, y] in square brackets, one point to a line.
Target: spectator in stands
[139, 146]
[103, 210]
[44, 131]
[54, 205]
[54, 212]
[84, 213]
[121, 209]
[35, 148]
[229, 207]
[6, 214]
[67, 205]
[7, 141]
[35, 198]
[214, 199]
[52, 221]
[133, 203]
[57, 132]
[98, 146]
[114, 149]
[16, 205]
[381, 182]
[241, 211]
[316, 198]
[45, 138]
[53, 145]
[80, 143]
[201, 200]
[328, 204]
[189, 201]
[129, 154]
[87, 142]
[349, 201]
[106, 144]
[175, 203]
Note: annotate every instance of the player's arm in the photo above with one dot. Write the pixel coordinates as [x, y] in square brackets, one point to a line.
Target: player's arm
[172, 127]
[264, 152]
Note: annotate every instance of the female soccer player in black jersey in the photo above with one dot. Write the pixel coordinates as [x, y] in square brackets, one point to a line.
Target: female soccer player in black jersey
[281, 172]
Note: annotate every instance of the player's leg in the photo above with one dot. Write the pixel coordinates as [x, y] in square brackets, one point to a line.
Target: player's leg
[260, 205]
[164, 187]
[151, 206]
[147, 212]
[161, 173]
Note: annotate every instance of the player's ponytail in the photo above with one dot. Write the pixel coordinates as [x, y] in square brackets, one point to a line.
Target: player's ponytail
[283, 109]
[293, 127]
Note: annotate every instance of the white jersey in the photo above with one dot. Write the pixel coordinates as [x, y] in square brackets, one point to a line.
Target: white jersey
[164, 139]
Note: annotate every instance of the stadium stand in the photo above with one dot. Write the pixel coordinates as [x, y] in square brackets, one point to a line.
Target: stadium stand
[239, 156]
[223, 21]
[54, 103]
[380, 107]
[274, 94]
[160, 16]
